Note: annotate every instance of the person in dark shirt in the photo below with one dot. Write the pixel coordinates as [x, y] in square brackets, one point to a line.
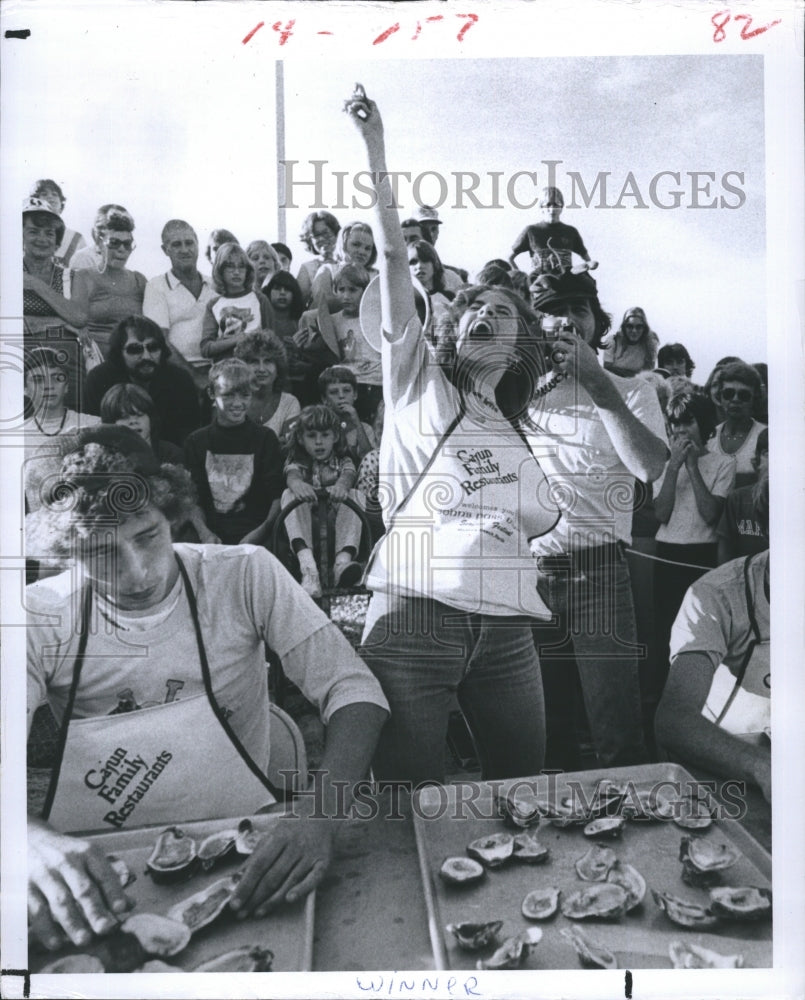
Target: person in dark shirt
[740, 532]
[236, 465]
[551, 242]
[139, 353]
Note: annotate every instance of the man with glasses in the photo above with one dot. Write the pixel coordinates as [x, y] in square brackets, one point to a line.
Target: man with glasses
[139, 353]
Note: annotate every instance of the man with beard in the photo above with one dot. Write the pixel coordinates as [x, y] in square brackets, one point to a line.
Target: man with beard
[138, 353]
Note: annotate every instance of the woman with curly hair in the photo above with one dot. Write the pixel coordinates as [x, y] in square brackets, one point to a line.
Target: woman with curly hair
[271, 406]
[319, 234]
[633, 347]
[737, 387]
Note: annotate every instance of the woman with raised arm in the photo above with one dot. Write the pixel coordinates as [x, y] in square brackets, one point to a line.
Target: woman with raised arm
[454, 585]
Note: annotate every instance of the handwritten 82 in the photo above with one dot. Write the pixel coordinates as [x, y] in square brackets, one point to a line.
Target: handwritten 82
[286, 31]
[722, 19]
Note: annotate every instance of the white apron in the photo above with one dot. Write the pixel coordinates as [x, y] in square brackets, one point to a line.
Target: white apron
[167, 764]
[740, 702]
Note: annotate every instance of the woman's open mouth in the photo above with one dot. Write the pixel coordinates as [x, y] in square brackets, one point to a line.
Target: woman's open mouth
[481, 330]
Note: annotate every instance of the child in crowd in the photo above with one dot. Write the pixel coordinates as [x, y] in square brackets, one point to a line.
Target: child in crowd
[368, 482]
[266, 262]
[284, 254]
[270, 406]
[356, 245]
[551, 242]
[319, 234]
[339, 390]
[739, 531]
[633, 347]
[355, 351]
[675, 360]
[236, 466]
[217, 239]
[689, 499]
[318, 459]
[285, 297]
[237, 309]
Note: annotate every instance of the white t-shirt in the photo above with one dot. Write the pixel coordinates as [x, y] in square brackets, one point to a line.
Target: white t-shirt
[246, 600]
[172, 305]
[245, 308]
[686, 526]
[744, 455]
[356, 353]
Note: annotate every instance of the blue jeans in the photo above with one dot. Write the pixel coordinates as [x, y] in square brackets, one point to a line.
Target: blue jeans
[594, 632]
[426, 654]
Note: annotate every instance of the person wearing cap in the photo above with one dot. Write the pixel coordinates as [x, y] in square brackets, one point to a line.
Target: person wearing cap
[455, 278]
[177, 300]
[549, 241]
[139, 353]
[48, 190]
[594, 434]
[163, 709]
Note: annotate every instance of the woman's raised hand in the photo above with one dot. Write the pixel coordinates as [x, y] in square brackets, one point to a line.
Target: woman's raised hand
[364, 113]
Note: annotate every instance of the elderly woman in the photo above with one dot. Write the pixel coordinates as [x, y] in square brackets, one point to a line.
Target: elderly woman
[110, 292]
[266, 357]
[737, 386]
[463, 495]
[71, 241]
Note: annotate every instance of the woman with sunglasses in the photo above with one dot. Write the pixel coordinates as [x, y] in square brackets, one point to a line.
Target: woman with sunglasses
[738, 386]
[110, 291]
[633, 348]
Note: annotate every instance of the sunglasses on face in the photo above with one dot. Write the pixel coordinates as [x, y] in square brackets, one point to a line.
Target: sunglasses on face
[742, 395]
[115, 244]
[135, 350]
[635, 326]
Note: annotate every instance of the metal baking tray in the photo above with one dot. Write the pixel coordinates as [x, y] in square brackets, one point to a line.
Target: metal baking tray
[286, 931]
[446, 820]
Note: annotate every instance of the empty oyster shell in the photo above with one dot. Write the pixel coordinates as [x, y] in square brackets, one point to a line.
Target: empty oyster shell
[630, 879]
[691, 813]
[125, 875]
[686, 955]
[216, 847]
[248, 958]
[158, 935]
[119, 951]
[703, 860]
[646, 806]
[519, 808]
[157, 965]
[742, 902]
[592, 955]
[203, 907]
[607, 800]
[461, 871]
[74, 964]
[473, 937]
[605, 826]
[528, 849]
[541, 904]
[604, 901]
[174, 856]
[512, 953]
[247, 837]
[594, 866]
[684, 912]
[492, 851]
[566, 812]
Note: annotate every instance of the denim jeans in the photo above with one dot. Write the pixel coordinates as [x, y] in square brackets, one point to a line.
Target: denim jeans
[593, 632]
[426, 654]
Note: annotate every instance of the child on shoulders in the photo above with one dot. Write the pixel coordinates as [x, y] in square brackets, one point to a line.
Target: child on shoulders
[550, 242]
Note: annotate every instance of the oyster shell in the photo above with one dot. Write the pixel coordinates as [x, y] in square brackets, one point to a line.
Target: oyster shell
[461, 871]
[174, 856]
[742, 902]
[528, 849]
[510, 955]
[125, 875]
[683, 911]
[473, 937]
[605, 826]
[520, 810]
[607, 800]
[541, 904]
[691, 813]
[157, 965]
[203, 907]
[247, 837]
[686, 955]
[603, 901]
[248, 958]
[492, 851]
[567, 812]
[703, 860]
[74, 964]
[595, 865]
[158, 935]
[630, 879]
[592, 955]
[119, 951]
[646, 806]
[216, 847]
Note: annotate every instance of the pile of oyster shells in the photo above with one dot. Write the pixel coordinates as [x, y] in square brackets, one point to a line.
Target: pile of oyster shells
[145, 940]
[613, 887]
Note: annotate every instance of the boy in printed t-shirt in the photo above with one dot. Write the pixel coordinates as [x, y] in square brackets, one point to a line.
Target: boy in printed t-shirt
[551, 242]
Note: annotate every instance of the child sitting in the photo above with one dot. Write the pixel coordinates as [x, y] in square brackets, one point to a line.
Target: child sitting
[633, 348]
[551, 242]
[237, 309]
[318, 459]
[235, 464]
[339, 390]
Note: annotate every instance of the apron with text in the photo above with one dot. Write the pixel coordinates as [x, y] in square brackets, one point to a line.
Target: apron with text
[739, 702]
[169, 764]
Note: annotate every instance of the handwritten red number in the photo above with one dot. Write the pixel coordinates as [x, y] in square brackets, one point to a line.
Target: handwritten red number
[253, 32]
[471, 19]
[436, 17]
[719, 34]
[746, 34]
[386, 34]
[417, 32]
[284, 33]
